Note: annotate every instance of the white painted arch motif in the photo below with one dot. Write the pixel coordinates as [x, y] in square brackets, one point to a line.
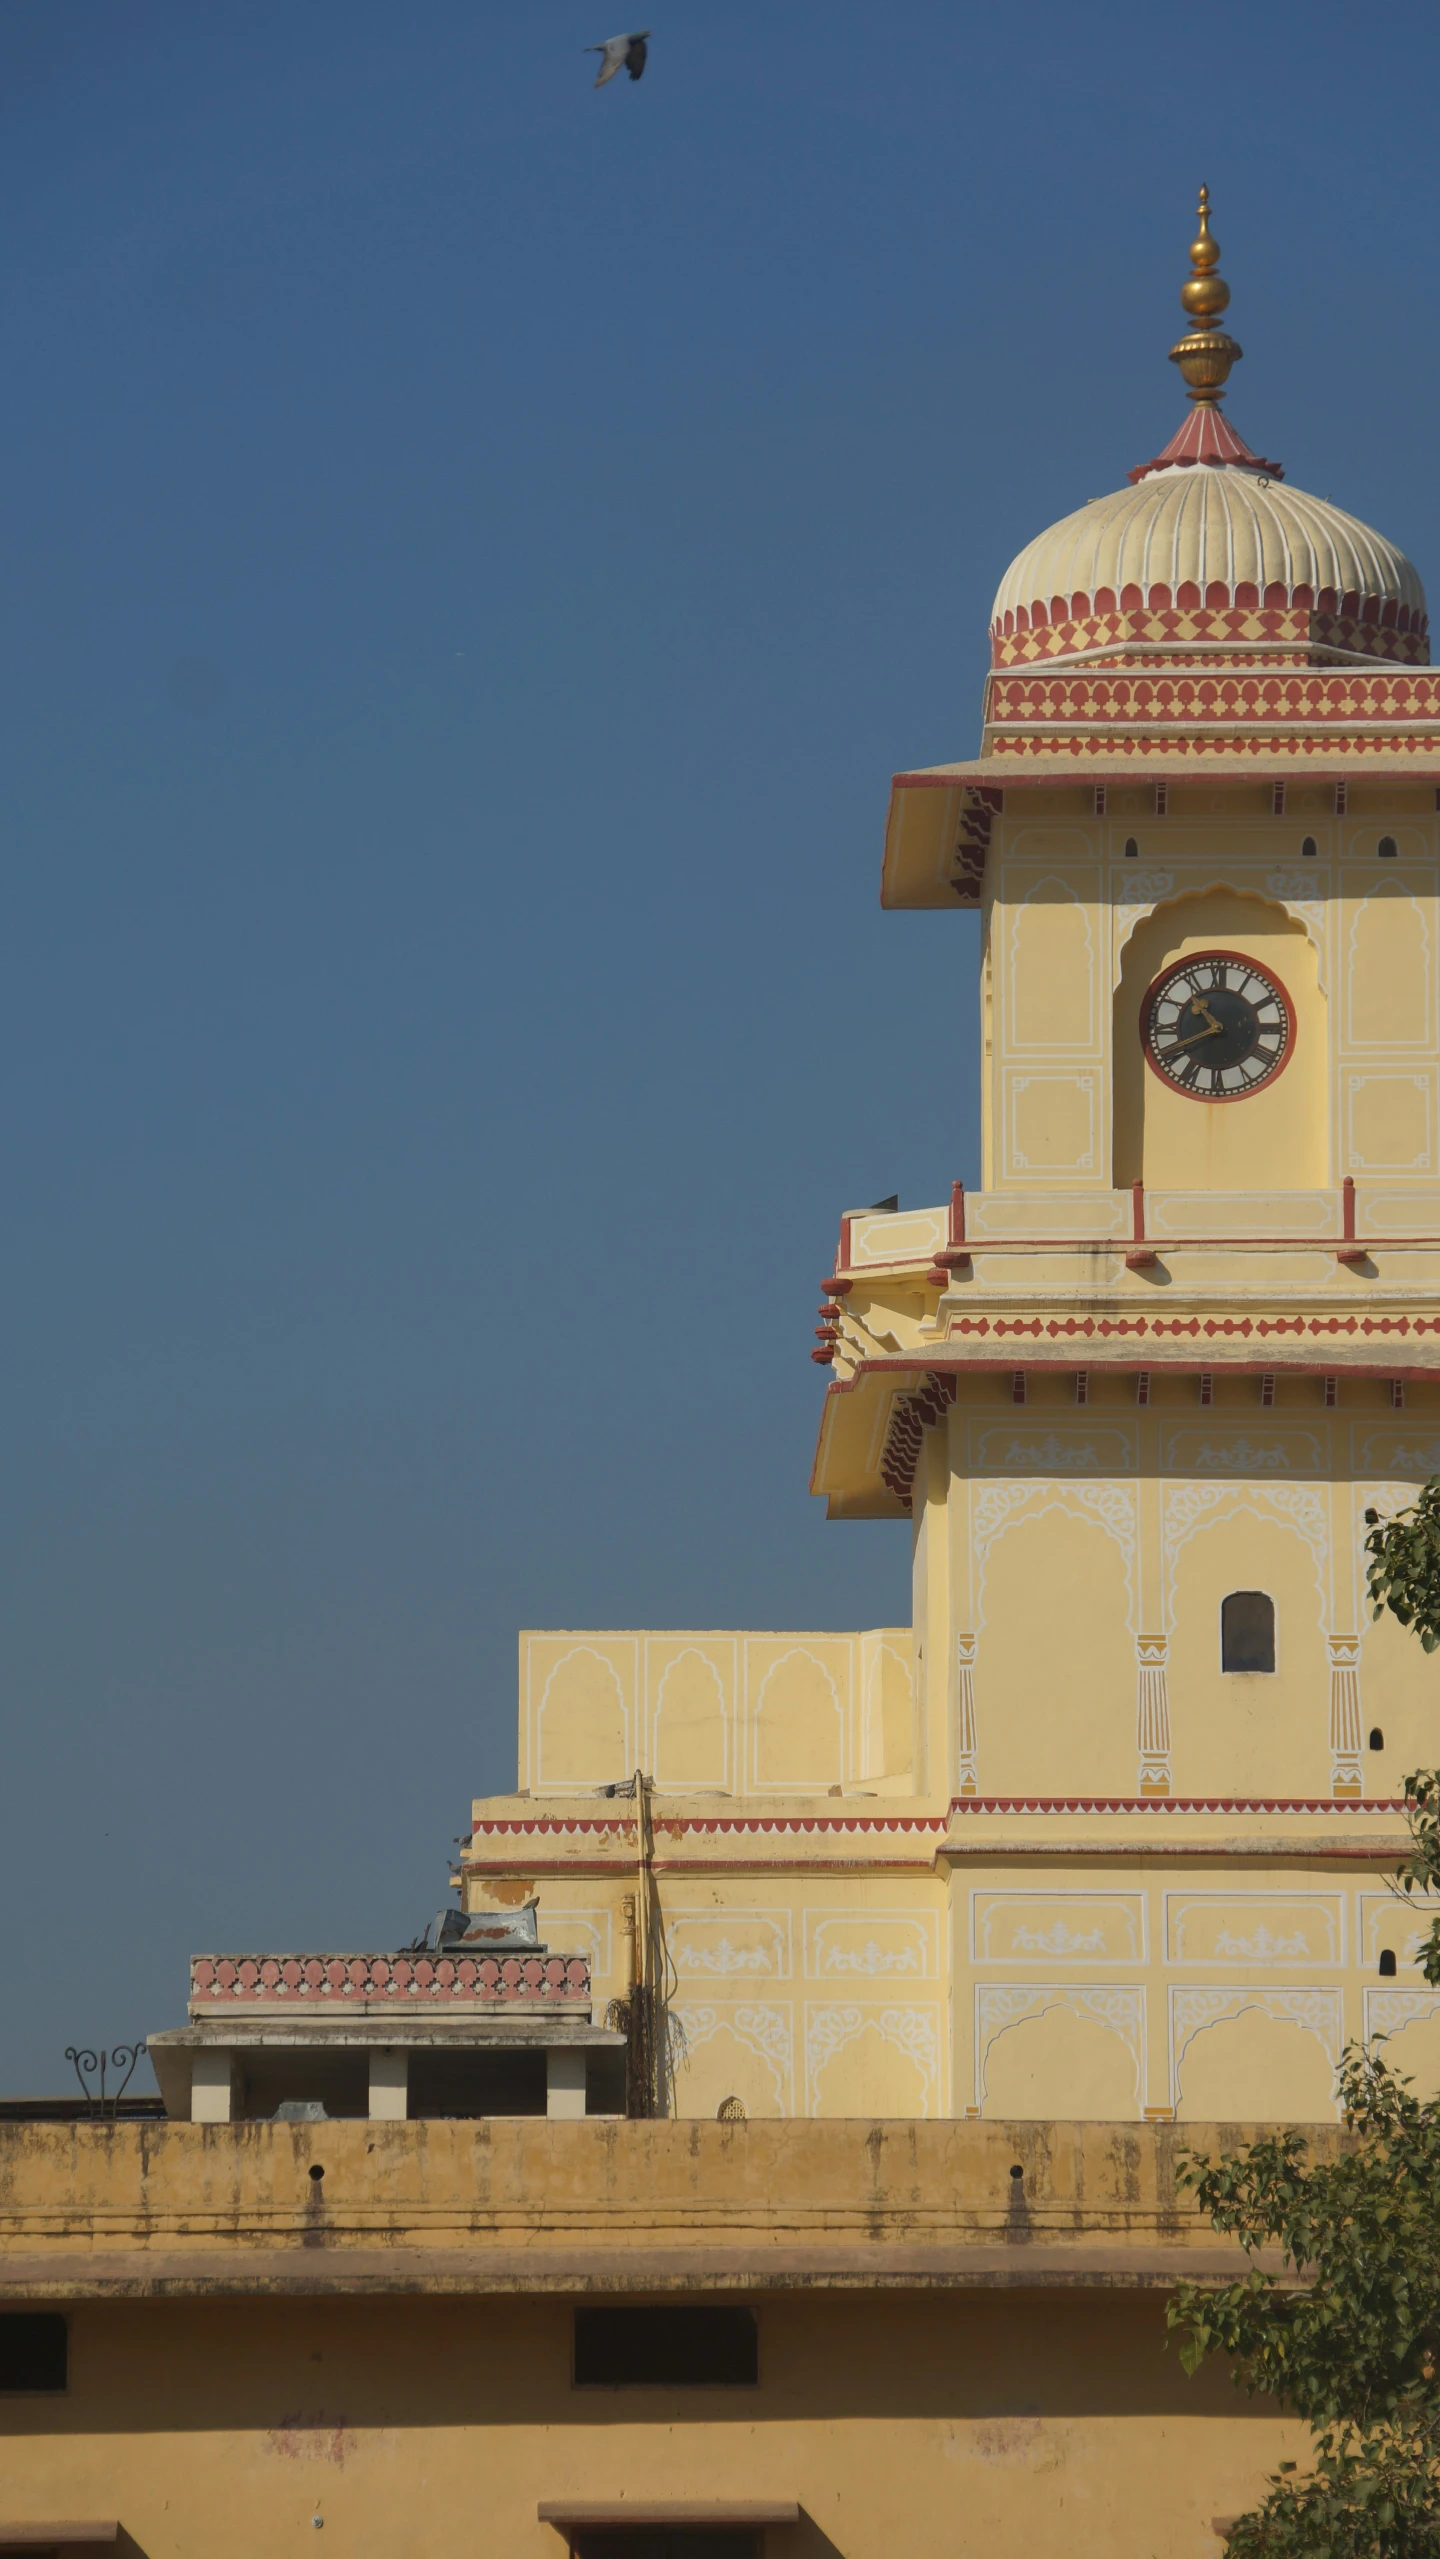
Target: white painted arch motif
[914, 2032]
[1303, 908]
[999, 2006]
[997, 1507]
[1187, 1508]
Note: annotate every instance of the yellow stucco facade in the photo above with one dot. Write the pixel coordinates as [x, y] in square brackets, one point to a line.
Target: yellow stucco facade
[1106, 1830]
[848, 1933]
[956, 2325]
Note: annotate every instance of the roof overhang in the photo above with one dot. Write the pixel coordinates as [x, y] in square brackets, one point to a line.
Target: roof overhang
[601, 2514]
[938, 828]
[57, 2536]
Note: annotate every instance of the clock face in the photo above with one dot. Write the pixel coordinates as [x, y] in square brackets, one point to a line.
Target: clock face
[1216, 1026]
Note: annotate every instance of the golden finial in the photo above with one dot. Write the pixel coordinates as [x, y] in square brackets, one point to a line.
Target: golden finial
[1206, 353]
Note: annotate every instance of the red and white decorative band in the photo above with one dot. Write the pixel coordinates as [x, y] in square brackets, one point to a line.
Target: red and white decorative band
[221, 1980]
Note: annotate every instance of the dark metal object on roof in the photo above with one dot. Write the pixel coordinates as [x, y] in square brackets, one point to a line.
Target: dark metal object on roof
[91, 2070]
[482, 1932]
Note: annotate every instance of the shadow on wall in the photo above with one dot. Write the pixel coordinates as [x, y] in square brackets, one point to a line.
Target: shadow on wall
[309, 2391]
[804, 2540]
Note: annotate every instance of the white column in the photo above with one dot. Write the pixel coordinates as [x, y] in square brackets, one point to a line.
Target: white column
[564, 2082]
[1153, 1714]
[966, 1747]
[1345, 1728]
[212, 2076]
[389, 2085]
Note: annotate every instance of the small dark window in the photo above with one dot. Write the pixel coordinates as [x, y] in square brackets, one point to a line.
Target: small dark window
[1247, 1631]
[1377, 1738]
[1309, 849]
[32, 2350]
[688, 2348]
[1387, 1963]
[1132, 849]
[1387, 848]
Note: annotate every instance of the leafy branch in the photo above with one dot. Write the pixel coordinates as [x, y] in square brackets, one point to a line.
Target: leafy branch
[1342, 2323]
[1345, 2331]
[1403, 1573]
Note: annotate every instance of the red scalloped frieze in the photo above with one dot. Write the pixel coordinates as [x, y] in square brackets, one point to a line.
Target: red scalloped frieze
[1136, 747]
[1276, 694]
[224, 1979]
[1177, 1804]
[1302, 629]
[1213, 1327]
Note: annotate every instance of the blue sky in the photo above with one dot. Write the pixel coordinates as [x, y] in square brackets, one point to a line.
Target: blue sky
[472, 552]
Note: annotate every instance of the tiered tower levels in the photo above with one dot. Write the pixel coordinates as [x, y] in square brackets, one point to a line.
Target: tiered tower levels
[1108, 1829]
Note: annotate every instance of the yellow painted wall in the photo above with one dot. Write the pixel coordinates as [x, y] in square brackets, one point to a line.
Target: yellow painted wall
[717, 1711]
[388, 2349]
[816, 1974]
[1074, 931]
[407, 2425]
[1063, 1668]
[1057, 1642]
[1251, 1733]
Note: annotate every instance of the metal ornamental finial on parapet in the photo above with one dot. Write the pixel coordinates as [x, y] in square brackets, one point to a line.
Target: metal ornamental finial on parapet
[91, 2070]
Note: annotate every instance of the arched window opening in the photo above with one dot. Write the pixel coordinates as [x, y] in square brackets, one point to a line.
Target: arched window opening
[1309, 849]
[1387, 848]
[1132, 849]
[1377, 1738]
[1247, 1631]
[1387, 1963]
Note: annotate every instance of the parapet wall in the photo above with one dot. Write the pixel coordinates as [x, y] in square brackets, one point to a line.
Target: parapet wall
[528, 2206]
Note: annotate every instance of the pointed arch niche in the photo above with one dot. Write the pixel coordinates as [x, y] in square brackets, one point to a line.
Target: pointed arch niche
[1276, 1139]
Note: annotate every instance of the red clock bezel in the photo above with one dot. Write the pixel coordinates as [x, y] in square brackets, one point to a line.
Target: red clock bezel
[1241, 959]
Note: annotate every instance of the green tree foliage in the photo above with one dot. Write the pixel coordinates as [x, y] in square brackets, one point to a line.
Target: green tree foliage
[1346, 2329]
[1421, 1870]
[1404, 1568]
[1403, 1575]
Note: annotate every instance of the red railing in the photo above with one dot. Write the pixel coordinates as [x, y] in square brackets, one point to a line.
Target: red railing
[220, 1981]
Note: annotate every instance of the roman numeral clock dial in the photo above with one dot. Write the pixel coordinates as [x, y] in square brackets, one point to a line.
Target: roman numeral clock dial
[1216, 1026]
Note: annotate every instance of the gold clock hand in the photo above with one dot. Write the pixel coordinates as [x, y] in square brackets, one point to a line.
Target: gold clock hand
[1190, 1039]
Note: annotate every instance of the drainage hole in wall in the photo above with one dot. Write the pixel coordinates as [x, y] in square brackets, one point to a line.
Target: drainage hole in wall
[1017, 2172]
[315, 2176]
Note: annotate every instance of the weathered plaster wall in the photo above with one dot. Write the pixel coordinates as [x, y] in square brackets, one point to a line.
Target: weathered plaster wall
[948, 2353]
[407, 2426]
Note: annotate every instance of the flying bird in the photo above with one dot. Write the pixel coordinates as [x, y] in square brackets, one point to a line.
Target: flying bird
[622, 53]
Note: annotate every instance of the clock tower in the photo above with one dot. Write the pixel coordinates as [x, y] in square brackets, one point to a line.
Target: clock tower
[1118, 1810]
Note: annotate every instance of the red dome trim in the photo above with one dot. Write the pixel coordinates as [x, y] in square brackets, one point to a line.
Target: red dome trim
[1303, 628]
[1206, 436]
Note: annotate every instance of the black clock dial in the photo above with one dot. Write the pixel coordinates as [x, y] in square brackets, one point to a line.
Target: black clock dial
[1217, 1027]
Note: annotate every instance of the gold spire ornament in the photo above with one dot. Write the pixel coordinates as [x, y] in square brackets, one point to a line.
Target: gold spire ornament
[1205, 354]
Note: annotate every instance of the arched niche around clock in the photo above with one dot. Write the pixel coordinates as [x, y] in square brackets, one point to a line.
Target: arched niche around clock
[1274, 1138]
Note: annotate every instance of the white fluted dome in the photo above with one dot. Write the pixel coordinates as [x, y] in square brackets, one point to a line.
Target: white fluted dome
[1207, 527]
